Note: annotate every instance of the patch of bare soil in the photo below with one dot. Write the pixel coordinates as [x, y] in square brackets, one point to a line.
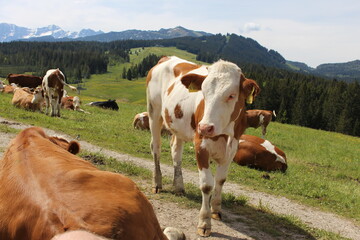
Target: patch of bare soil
[233, 226]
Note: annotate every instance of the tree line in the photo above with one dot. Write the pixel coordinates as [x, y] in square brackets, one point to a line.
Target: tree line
[297, 98]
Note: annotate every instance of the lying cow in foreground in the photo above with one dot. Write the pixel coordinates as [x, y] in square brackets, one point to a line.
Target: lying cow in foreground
[24, 98]
[260, 154]
[46, 190]
[257, 118]
[203, 104]
[109, 104]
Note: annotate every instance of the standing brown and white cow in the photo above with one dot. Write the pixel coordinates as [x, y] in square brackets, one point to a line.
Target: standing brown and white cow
[213, 118]
[46, 191]
[53, 85]
[256, 118]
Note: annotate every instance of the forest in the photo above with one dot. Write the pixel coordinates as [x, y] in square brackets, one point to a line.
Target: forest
[297, 98]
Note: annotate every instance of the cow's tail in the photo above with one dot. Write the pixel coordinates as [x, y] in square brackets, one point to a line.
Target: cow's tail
[273, 112]
[71, 87]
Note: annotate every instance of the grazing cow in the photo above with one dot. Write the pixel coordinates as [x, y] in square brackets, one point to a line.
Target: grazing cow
[24, 98]
[257, 118]
[46, 191]
[213, 118]
[109, 104]
[53, 85]
[141, 121]
[260, 154]
[24, 80]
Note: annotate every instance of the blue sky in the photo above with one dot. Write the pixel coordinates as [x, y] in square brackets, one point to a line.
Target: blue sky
[309, 31]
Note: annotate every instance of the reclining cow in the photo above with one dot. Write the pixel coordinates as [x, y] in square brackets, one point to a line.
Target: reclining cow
[109, 104]
[260, 154]
[46, 191]
[24, 98]
[257, 118]
[213, 118]
[141, 122]
[72, 103]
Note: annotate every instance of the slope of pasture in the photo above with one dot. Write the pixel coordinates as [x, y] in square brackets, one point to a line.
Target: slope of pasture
[112, 85]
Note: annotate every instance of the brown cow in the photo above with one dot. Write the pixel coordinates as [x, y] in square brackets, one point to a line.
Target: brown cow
[46, 190]
[24, 80]
[7, 89]
[257, 118]
[260, 154]
[213, 118]
[72, 103]
[53, 85]
[24, 98]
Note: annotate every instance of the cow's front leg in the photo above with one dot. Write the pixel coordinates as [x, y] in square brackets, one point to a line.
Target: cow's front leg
[206, 186]
[220, 177]
[177, 146]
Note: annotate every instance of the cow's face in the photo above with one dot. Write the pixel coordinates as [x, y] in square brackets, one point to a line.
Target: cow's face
[38, 95]
[221, 90]
[225, 90]
[72, 146]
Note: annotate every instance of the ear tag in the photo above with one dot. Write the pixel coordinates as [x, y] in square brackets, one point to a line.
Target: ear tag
[250, 98]
[193, 88]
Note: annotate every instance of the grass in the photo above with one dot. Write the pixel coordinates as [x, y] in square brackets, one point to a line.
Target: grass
[323, 167]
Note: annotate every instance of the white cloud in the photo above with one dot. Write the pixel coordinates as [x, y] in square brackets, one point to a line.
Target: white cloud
[250, 27]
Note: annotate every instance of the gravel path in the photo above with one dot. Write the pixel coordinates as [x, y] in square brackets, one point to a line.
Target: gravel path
[170, 214]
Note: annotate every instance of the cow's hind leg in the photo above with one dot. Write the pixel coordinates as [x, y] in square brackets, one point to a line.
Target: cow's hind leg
[177, 146]
[155, 122]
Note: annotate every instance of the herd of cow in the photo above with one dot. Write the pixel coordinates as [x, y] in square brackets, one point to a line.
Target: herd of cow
[47, 192]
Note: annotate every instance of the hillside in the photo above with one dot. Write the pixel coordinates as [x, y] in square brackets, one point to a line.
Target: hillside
[347, 71]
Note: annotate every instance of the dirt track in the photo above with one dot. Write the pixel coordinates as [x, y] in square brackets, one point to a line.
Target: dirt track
[170, 214]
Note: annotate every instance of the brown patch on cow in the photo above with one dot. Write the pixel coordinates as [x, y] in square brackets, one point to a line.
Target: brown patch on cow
[149, 76]
[170, 89]
[193, 123]
[163, 59]
[222, 181]
[183, 68]
[202, 155]
[168, 118]
[206, 189]
[178, 112]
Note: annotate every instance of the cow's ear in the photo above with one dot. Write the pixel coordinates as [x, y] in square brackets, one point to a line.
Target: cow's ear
[250, 87]
[193, 82]
[74, 147]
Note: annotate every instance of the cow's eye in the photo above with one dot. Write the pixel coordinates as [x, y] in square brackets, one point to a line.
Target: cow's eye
[231, 97]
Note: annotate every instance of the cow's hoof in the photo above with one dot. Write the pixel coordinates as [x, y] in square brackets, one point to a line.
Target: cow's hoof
[156, 190]
[216, 216]
[204, 232]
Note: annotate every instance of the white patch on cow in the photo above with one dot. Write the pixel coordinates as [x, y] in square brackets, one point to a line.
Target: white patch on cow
[261, 119]
[206, 178]
[271, 148]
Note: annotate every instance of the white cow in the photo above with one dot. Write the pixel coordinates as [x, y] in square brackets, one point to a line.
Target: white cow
[213, 118]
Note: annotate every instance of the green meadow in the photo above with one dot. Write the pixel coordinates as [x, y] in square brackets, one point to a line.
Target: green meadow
[323, 167]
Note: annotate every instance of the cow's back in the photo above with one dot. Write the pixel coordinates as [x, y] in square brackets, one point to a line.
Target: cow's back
[166, 93]
[45, 191]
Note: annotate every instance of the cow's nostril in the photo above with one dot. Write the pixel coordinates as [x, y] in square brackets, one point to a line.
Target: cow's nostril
[206, 129]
